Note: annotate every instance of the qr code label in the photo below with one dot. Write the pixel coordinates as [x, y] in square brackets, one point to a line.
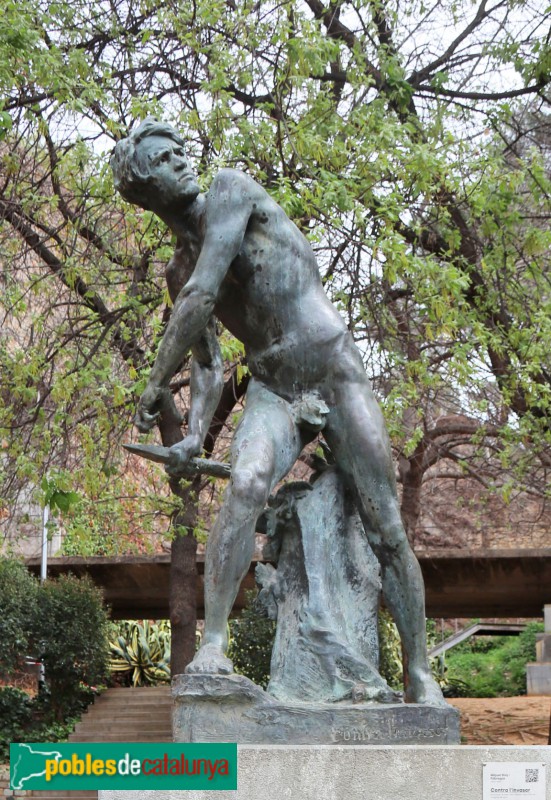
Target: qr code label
[532, 775]
[514, 779]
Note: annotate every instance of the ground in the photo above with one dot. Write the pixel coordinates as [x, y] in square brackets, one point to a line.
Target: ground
[504, 720]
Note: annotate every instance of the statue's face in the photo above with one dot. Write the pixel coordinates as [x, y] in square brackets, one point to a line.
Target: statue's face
[172, 179]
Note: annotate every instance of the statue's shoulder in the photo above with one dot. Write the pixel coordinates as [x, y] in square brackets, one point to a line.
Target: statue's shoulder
[228, 178]
[232, 191]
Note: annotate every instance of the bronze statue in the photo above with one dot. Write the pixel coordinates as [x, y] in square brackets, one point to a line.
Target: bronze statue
[239, 258]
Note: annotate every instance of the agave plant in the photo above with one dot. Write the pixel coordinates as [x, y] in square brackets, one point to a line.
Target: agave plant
[142, 649]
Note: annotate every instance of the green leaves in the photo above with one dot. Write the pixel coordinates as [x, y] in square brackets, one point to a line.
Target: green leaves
[55, 497]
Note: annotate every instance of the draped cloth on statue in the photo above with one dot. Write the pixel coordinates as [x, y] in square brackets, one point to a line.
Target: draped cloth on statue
[324, 594]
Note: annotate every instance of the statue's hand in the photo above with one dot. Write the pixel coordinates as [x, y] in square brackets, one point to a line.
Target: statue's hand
[149, 408]
[181, 453]
[154, 401]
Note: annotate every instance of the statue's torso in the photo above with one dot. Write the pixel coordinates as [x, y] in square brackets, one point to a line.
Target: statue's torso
[271, 298]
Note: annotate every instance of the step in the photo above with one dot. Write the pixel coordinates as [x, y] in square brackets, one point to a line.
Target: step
[122, 738]
[157, 720]
[163, 736]
[96, 733]
[138, 702]
[132, 700]
[135, 708]
[143, 691]
[138, 691]
[93, 724]
[76, 795]
[135, 716]
[126, 715]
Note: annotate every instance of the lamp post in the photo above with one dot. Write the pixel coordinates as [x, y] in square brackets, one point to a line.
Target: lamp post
[43, 575]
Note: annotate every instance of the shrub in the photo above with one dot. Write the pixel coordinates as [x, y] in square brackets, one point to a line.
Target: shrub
[64, 623]
[27, 719]
[251, 641]
[390, 659]
[141, 652]
[71, 634]
[16, 712]
[390, 651]
[494, 666]
[18, 605]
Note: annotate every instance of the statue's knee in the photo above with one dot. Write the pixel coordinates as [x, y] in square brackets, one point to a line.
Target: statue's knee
[394, 541]
[251, 485]
[388, 538]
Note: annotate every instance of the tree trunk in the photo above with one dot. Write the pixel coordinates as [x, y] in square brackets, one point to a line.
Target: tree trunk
[183, 565]
[411, 477]
[183, 578]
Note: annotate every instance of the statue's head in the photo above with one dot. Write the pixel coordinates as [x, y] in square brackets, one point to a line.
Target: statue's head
[150, 167]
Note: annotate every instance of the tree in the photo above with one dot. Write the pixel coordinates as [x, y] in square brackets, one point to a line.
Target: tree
[408, 141]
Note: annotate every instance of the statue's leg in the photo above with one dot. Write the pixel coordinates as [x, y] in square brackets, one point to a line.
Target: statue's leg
[357, 436]
[267, 443]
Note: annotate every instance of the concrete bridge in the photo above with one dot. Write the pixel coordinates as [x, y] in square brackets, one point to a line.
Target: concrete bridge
[482, 583]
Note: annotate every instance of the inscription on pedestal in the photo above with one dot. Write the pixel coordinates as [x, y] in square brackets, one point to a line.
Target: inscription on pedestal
[233, 709]
[367, 734]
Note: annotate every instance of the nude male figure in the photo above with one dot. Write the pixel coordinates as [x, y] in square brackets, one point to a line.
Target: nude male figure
[240, 259]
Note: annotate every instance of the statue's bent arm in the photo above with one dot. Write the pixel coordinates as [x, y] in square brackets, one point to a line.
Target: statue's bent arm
[227, 214]
[207, 374]
[206, 383]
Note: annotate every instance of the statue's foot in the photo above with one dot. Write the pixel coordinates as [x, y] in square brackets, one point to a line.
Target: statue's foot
[423, 689]
[210, 660]
[381, 693]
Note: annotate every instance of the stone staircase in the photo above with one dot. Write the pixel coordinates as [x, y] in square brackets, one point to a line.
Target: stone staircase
[121, 715]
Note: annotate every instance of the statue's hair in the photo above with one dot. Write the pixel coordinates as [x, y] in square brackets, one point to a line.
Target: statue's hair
[131, 175]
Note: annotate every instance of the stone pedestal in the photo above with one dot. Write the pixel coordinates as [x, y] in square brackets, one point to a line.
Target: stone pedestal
[538, 674]
[357, 773]
[218, 708]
